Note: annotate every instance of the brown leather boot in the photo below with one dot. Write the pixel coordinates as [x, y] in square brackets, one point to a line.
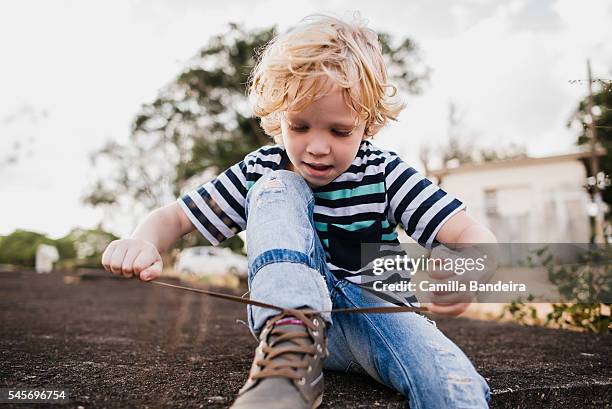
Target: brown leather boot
[287, 371]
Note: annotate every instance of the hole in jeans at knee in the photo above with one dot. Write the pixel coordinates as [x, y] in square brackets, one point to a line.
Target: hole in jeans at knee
[273, 185]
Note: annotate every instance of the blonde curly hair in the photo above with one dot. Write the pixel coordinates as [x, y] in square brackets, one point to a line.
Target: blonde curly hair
[295, 68]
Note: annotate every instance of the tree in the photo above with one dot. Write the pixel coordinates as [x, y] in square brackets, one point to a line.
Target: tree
[200, 123]
[84, 247]
[602, 116]
[460, 147]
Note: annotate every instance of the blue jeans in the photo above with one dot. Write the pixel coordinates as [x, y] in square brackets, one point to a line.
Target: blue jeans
[405, 351]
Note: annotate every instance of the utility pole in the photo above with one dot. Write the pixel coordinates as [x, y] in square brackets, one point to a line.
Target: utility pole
[599, 220]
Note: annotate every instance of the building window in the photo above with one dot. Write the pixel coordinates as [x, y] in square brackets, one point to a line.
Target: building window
[490, 202]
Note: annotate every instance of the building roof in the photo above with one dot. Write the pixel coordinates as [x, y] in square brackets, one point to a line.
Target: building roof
[507, 163]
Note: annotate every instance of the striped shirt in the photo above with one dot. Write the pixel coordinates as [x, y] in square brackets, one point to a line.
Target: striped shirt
[363, 205]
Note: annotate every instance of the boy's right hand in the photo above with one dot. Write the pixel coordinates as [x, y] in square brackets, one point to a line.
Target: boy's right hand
[133, 257]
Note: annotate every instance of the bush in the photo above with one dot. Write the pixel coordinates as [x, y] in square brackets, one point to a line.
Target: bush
[20, 246]
[585, 285]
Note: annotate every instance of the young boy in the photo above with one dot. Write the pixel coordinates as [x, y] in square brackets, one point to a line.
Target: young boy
[307, 203]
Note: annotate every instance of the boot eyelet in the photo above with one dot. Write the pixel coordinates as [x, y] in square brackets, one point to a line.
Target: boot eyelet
[315, 333]
[301, 381]
[309, 368]
[315, 322]
[319, 348]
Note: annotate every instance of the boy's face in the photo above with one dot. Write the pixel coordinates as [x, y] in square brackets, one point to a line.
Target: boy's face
[321, 141]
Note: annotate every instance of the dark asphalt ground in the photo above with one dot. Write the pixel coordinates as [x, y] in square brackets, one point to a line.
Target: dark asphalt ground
[117, 343]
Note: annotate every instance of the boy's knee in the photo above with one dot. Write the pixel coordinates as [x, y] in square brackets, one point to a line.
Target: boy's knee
[279, 215]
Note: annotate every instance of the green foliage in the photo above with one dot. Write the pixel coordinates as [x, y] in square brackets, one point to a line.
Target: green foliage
[583, 285]
[65, 248]
[589, 317]
[521, 313]
[200, 124]
[20, 246]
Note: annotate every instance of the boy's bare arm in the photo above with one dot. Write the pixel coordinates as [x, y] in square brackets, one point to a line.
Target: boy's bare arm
[463, 229]
[139, 255]
[163, 227]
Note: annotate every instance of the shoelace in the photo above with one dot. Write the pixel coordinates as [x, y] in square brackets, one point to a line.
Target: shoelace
[362, 310]
[287, 367]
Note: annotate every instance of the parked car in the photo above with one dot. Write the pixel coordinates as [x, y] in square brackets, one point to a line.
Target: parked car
[211, 261]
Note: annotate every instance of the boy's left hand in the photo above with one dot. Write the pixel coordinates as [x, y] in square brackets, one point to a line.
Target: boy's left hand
[454, 303]
[468, 239]
[447, 303]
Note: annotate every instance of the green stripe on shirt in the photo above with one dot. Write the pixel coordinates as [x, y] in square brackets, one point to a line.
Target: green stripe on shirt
[390, 236]
[352, 226]
[347, 193]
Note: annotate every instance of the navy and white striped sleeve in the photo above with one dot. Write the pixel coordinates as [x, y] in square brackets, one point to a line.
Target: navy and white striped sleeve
[216, 208]
[420, 206]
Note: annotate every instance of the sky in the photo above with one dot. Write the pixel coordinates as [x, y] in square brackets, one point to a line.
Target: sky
[75, 73]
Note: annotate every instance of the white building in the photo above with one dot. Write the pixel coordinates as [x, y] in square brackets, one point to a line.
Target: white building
[46, 255]
[528, 200]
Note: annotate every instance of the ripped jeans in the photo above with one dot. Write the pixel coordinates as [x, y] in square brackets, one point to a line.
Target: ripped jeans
[405, 351]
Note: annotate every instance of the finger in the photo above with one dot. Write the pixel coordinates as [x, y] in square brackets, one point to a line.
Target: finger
[106, 257]
[144, 260]
[451, 297]
[449, 310]
[153, 272]
[117, 259]
[128, 261]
